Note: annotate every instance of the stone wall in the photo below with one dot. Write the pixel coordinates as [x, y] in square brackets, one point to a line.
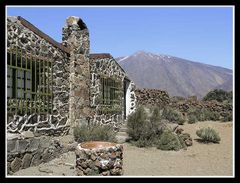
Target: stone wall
[32, 151]
[186, 104]
[152, 97]
[104, 65]
[24, 35]
[160, 98]
[76, 38]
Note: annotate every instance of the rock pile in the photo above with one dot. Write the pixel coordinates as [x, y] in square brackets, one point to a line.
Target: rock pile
[152, 97]
[184, 105]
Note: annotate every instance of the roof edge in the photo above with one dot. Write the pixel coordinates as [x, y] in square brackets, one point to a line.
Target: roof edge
[100, 55]
[41, 34]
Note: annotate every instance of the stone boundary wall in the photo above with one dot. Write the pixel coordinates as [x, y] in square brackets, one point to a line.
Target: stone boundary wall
[152, 97]
[185, 104]
[160, 98]
[24, 35]
[26, 152]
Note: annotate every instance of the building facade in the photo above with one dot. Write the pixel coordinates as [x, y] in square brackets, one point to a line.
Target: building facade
[52, 87]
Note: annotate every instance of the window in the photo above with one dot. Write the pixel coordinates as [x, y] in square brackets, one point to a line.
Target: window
[111, 95]
[18, 83]
[29, 83]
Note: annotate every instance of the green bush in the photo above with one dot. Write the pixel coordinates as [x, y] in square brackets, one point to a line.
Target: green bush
[94, 133]
[208, 135]
[218, 95]
[227, 117]
[215, 116]
[170, 141]
[144, 129]
[202, 115]
[155, 120]
[198, 113]
[142, 142]
[206, 113]
[136, 123]
[192, 119]
[172, 115]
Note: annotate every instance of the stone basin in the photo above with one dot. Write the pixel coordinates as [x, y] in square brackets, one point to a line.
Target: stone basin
[96, 145]
[99, 158]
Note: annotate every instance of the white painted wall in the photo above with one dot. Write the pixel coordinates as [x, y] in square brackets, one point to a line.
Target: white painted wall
[128, 98]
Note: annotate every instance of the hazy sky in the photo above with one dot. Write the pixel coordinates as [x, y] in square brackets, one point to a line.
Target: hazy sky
[202, 34]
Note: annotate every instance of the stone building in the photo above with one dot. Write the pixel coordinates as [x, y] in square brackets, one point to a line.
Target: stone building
[52, 87]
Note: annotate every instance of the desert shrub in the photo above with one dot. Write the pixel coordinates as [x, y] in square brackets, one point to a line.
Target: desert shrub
[143, 142]
[208, 135]
[192, 119]
[169, 141]
[177, 98]
[182, 141]
[155, 116]
[155, 120]
[218, 95]
[186, 140]
[94, 132]
[172, 115]
[198, 113]
[144, 129]
[227, 117]
[214, 116]
[206, 113]
[136, 123]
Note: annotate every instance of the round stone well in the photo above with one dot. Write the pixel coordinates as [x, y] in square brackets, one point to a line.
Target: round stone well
[99, 158]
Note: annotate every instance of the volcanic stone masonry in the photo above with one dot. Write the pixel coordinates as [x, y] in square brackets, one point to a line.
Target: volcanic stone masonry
[76, 89]
[99, 158]
[32, 151]
[103, 65]
[22, 34]
[76, 38]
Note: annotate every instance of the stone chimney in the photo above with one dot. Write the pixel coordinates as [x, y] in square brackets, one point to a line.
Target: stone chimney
[76, 38]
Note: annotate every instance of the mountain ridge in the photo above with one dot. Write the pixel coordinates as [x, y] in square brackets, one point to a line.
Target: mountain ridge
[178, 76]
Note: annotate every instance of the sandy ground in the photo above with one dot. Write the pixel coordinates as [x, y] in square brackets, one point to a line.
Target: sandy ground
[198, 160]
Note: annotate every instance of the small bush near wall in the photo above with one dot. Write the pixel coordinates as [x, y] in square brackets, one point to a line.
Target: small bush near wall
[151, 130]
[202, 115]
[94, 132]
[227, 117]
[192, 119]
[208, 135]
[172, 115]
[197, 113]
[170, 141]
[136, 122]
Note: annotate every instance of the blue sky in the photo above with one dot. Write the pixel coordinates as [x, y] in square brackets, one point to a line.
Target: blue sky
[201, 34]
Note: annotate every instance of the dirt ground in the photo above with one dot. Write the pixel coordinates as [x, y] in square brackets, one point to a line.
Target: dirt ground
[198, 160]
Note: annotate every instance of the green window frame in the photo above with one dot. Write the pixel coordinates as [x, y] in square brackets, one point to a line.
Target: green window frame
[29, 83]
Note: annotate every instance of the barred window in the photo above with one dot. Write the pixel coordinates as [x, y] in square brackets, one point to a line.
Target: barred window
[111, 95]
[29, 83]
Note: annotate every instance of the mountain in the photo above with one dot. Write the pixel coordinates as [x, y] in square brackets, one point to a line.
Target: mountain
[179, 77]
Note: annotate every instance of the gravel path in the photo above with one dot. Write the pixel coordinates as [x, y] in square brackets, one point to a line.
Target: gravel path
[198, 160]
